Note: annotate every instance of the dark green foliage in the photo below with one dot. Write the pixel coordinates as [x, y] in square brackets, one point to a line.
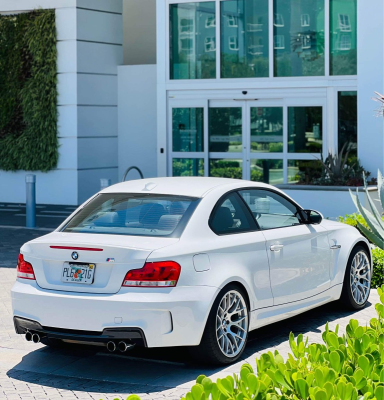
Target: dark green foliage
[346, 366]
[28, 91]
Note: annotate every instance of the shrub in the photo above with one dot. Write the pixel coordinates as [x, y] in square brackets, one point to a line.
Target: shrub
[378, 267]
[351, 219]
[375, 231]
[345, 367]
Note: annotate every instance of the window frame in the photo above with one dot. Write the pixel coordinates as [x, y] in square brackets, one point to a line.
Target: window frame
[177, 233]
[254, 226]
[248, 211]
[297, 206]
[218, 78]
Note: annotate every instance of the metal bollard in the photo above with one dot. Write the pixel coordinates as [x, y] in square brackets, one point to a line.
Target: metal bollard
[104, 183]
[30, 181]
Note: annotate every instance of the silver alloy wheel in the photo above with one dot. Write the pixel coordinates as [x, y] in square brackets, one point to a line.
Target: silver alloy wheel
[360, 277]
[232, 323]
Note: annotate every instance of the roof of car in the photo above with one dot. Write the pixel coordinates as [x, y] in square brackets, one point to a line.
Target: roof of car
[185, 186]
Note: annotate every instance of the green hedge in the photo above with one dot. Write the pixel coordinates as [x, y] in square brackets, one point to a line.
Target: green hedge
[345, 367]
[28, 91]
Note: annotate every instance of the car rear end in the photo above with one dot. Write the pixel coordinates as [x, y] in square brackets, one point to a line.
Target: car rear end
[93, 281]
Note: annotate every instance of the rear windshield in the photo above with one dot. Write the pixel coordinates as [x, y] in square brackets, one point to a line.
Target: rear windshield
[134, 214]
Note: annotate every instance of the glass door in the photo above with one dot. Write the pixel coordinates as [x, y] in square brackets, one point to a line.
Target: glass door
[187, 138]
[266, 136]
[227, 132]
[271, 141]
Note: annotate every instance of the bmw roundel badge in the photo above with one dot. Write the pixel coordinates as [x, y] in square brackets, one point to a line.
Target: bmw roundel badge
[75, 255]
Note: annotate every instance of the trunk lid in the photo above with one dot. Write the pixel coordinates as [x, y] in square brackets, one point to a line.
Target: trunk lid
[112, 255]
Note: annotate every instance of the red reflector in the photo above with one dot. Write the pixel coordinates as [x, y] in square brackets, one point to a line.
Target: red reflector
[75, 248]
[24, 269]
[157, 274]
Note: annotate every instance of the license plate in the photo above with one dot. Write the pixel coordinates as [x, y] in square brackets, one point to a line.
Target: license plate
[78, 273]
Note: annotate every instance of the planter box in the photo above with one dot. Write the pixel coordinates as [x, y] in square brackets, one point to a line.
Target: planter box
[331, 201]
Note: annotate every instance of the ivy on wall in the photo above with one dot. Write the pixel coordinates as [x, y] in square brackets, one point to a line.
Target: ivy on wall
[28, 91]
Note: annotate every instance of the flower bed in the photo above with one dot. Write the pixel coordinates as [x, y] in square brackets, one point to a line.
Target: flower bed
[345, 367]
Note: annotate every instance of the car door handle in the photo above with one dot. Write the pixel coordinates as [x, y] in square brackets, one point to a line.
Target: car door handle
[276, 247]
[336, 247]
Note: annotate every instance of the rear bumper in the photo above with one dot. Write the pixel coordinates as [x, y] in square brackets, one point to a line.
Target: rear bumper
[130, 335]
[166, 317]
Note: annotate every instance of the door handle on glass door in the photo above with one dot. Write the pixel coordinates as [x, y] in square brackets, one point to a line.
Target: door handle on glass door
[276, 247]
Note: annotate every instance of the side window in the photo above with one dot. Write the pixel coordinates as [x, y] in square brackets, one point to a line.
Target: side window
[231, 216]
[270, 209]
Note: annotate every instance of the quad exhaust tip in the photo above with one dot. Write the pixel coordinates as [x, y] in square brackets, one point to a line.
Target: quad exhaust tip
[32, 337]
[36, 338]
[123, 347]
[111, 346]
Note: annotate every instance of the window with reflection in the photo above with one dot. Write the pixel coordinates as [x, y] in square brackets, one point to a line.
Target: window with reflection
[244, 38]
[188, 167]
[188, 129]
[267, 129]
[343, 37]
[267, 171]
[225, 129]
[193, 40]
[305, 129]
[298, 29]
[304, 172]
[347, 121]
[226, 168]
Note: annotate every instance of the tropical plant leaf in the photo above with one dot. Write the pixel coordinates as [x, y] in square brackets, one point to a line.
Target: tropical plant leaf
[380, 186]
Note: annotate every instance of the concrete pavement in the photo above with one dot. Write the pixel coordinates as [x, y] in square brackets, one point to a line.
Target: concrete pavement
[33, 371]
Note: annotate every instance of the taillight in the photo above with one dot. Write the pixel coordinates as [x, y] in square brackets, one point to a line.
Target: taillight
[24, 269]
[156, 274]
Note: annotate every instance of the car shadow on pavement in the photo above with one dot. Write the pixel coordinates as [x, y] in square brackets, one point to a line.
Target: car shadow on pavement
[152, 370]
[307, 323]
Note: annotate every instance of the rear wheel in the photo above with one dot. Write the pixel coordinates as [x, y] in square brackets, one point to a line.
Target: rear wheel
[226, 332]
[357, 280]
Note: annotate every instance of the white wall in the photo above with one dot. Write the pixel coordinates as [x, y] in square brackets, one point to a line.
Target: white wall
[90, 37]
[330, 203]
[137, 120]
[139, 32]
[370, 80]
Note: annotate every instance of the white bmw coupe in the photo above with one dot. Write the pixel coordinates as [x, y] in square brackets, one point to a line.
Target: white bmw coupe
[185, 262]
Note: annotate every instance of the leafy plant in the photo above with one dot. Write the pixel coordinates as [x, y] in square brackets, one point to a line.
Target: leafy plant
[341, 170]
[345, 367]
[352, 219]
[375, 233]
[378, 268]
[28, 92]
[380, 98]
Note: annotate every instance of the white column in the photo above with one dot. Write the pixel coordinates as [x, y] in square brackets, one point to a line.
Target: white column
[89, 43]
[99, 51]
[370, 79]
[161, 88]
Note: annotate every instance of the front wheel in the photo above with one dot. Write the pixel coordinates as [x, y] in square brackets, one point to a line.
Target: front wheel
[357, 280]
[226, 332]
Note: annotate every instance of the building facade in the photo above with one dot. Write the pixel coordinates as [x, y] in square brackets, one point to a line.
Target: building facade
[252, 89]
[262, 89]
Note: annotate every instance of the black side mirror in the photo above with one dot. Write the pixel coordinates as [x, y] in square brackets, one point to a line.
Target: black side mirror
[313, 217]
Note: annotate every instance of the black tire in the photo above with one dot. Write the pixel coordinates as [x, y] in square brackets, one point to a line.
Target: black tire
[209, 351]
[347, 298]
